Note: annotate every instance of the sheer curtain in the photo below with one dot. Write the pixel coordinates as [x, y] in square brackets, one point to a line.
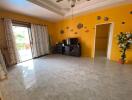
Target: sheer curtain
[39, 40]
[3, 71]
[10, 42]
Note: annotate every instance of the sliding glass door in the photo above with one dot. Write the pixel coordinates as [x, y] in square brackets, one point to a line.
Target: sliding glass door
[21, 34]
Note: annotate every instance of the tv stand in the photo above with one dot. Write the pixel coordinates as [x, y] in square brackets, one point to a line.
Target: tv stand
[72, 50]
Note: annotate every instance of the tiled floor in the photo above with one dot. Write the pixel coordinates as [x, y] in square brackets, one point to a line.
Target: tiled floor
[58, 77]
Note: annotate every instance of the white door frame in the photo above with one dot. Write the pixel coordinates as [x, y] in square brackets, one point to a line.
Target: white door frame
[110, 39]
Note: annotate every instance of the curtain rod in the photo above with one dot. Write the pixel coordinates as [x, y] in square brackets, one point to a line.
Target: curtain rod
[16, 21]
[24, 22]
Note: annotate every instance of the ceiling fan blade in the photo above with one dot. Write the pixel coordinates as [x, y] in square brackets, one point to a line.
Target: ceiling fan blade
[59, 0]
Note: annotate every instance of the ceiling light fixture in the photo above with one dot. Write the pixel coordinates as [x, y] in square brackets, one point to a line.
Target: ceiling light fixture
[72, 4]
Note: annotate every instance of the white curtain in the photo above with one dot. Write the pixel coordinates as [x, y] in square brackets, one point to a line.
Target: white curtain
[39, 40]
[10, 42]
[3, 71]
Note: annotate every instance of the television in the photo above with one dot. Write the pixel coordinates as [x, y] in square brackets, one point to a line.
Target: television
[72, 41]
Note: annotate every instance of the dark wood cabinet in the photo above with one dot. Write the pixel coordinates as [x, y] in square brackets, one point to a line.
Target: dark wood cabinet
[70, 47]
[71, 50]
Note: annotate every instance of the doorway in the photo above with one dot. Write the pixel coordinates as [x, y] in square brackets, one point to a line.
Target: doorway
[23, 46]
[103, 40]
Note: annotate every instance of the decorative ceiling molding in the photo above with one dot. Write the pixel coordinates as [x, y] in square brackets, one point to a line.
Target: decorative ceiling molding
[86, 7]
[81, 6]
[50, 6]
[30, 9]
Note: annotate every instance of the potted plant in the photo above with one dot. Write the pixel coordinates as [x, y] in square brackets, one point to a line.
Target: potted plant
[124, 42]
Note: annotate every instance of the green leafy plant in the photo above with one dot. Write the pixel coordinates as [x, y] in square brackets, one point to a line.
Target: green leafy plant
[124, 42]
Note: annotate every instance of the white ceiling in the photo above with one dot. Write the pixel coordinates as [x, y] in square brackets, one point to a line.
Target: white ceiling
[52, 11]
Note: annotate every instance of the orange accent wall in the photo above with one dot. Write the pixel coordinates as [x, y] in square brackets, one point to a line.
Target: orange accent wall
[116, 15]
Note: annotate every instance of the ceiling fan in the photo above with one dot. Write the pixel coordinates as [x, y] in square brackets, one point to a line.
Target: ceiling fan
[72, 2]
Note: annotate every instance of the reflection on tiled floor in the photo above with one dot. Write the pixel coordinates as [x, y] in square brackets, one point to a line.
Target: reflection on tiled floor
[25, 54]
[58, 77]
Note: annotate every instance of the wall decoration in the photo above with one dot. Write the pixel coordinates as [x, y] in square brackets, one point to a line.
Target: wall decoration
[67, 27]
[85, 27]
[80, 25]
[87, 30]
[71, 30]
[62, 31]
[76, 33]
[106, 18]
[98, 17]
[123, 22]
[130, 12]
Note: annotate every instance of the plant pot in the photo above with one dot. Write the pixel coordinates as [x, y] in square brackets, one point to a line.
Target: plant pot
[121, 61]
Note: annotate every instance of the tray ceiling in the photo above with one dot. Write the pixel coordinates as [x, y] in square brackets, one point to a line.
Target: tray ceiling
[63, 8]
[53, 11]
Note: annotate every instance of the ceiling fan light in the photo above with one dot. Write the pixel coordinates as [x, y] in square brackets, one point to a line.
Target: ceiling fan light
[73, 5]
[59, 0]
[73, 2]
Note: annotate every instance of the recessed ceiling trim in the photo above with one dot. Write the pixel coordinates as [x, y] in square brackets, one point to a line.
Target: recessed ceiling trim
[48, 5]
[84, 7]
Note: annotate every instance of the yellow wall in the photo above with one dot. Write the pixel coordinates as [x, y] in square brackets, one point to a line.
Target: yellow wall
[116, 15]
[20, 17]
